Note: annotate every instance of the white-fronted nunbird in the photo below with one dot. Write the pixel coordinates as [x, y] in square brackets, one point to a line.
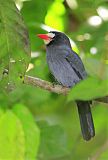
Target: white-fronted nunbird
[68, 70]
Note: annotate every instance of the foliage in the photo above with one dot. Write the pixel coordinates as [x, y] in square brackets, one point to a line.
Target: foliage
[11, 134]
[101, 89]
[14, 43]
[53, 142]
[30, 129]
[36, 124]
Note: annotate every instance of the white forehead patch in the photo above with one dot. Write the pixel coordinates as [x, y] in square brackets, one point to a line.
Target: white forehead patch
[52, 35]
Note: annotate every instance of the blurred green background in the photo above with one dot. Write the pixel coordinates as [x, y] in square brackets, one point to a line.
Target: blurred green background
[46, 125]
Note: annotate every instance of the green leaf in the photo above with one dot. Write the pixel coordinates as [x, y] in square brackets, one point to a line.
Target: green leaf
[1, 112]
[35, 19]
[14, 43]
[90, 88]
[31, 130]
[12, 141]
[100, 110]
[53, 142]
[56, 13]
[101, 69]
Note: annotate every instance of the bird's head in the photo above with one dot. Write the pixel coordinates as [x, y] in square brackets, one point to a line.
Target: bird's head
[55, 38]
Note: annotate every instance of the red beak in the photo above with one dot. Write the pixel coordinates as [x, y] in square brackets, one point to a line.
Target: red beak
[44, 36]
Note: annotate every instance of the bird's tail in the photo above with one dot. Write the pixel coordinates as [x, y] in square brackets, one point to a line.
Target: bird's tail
[86, 120]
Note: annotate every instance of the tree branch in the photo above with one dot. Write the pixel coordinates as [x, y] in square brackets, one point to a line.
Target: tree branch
[102, 149]
[59, 89]
[36, 82]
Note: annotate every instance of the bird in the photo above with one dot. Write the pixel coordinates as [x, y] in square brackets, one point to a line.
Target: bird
[68, 69]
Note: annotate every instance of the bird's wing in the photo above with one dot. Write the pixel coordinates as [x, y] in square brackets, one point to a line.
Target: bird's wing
[76, 63]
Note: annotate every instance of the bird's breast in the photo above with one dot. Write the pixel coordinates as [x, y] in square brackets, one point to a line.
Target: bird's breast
[61, 69]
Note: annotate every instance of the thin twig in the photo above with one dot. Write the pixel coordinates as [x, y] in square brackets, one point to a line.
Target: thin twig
[102, 149]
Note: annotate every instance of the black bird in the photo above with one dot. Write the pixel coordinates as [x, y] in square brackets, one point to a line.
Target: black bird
[68, 70]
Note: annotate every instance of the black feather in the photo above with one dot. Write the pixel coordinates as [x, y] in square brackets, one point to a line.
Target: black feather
[86, 120]
[68, 70]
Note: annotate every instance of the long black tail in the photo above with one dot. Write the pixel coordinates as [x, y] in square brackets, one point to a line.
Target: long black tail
[86, 120]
